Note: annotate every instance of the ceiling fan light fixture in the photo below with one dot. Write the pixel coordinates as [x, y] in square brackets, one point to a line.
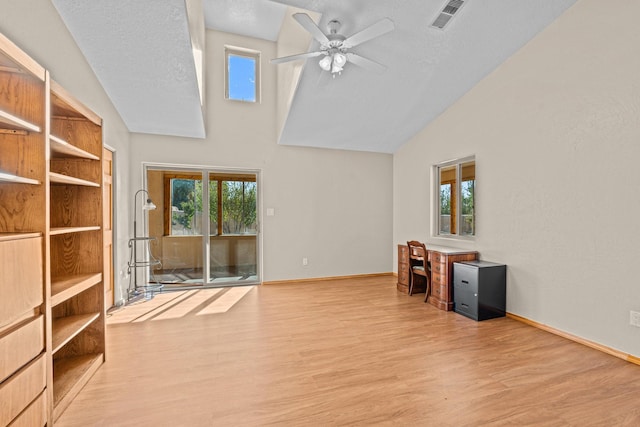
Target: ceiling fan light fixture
[325, 63]
[339, 59]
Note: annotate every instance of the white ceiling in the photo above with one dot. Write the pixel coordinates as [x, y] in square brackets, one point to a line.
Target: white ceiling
[141, 52]
[261, 19]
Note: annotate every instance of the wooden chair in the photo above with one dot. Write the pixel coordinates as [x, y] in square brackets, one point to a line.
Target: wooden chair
[418, 266]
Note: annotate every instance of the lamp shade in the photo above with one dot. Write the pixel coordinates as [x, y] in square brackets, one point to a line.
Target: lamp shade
[149, 205]
[339, 59]
[325, 63]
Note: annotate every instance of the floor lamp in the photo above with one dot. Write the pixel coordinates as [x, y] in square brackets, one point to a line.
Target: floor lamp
[134, 263]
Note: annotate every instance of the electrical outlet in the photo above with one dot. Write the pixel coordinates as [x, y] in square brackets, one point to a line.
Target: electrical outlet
[634, 318]
[305, 261]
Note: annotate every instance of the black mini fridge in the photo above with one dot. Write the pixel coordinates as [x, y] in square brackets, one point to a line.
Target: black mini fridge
[480, 289]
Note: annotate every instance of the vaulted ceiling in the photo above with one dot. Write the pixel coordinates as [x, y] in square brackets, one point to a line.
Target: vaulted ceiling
[146, 55]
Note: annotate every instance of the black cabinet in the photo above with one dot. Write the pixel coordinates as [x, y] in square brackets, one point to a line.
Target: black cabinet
[480, 289]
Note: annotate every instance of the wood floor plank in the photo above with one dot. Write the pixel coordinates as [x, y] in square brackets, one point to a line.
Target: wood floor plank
[345, 352]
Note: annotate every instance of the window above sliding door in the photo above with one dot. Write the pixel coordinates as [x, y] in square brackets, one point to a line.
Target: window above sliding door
[242, 76]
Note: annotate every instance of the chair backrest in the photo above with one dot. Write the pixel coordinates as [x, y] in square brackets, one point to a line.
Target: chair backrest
[417, 251]
[418, 257]
[418, 265]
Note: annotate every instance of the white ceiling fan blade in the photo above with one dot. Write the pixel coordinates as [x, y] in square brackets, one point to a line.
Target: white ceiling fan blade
[366, 63]
[308, 24]
[375, 30]
[298, 56]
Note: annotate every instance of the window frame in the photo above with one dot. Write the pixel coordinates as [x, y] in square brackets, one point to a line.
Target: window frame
[246, 53]
[456, 195]
[219, 177]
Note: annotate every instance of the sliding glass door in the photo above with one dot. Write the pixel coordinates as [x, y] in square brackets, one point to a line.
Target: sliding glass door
[233, 231]
[192, 204]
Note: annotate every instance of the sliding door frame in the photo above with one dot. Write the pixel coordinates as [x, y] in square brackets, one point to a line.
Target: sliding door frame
[205, 172]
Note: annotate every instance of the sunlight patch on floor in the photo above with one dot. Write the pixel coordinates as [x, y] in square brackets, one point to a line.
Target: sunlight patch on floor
[194, 301]
[226, 301]
[174, 305]
[152, 313]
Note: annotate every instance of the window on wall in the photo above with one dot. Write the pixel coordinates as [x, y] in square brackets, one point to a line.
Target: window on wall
[185, 207]
[232, 204]
[456, 181]
[242, 74]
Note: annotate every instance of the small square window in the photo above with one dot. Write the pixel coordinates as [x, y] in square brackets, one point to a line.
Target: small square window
[242, 75]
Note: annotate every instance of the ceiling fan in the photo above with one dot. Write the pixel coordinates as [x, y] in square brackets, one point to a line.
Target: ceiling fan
[335, 48]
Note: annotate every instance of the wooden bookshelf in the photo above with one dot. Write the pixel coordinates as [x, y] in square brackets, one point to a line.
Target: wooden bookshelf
[63, 288]
[66, 328]
[68, 230]
[11, 122]
[70, 374]
[23, 231]
[6, 237]
[61, 148]
[6, 177]
[58, 178]
[75, 238]
[52, 313]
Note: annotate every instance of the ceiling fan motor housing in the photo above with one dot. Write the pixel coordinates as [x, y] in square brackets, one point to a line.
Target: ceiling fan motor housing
[333, 26]
[335, 39]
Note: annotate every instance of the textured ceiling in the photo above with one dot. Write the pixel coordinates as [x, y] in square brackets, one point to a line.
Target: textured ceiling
[141, 52]
[428, 69]
[260, 19]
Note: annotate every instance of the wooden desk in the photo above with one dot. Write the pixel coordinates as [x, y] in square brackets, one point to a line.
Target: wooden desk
[441, 259]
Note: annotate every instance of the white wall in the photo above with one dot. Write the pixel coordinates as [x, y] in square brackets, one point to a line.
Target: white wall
[333, 207]
[36, 27]
[556, 134]
[555, 131]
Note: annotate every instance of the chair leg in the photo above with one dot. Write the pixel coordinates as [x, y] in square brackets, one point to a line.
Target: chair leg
[411, 281]
[426, 292]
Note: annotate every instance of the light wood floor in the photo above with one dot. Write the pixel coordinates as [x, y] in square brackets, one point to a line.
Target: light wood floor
[347, 352]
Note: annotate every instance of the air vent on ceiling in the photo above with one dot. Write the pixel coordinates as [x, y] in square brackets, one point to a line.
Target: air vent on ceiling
[447, 13]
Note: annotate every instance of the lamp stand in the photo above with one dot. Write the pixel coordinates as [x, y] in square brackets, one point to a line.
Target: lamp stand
[147, 290]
